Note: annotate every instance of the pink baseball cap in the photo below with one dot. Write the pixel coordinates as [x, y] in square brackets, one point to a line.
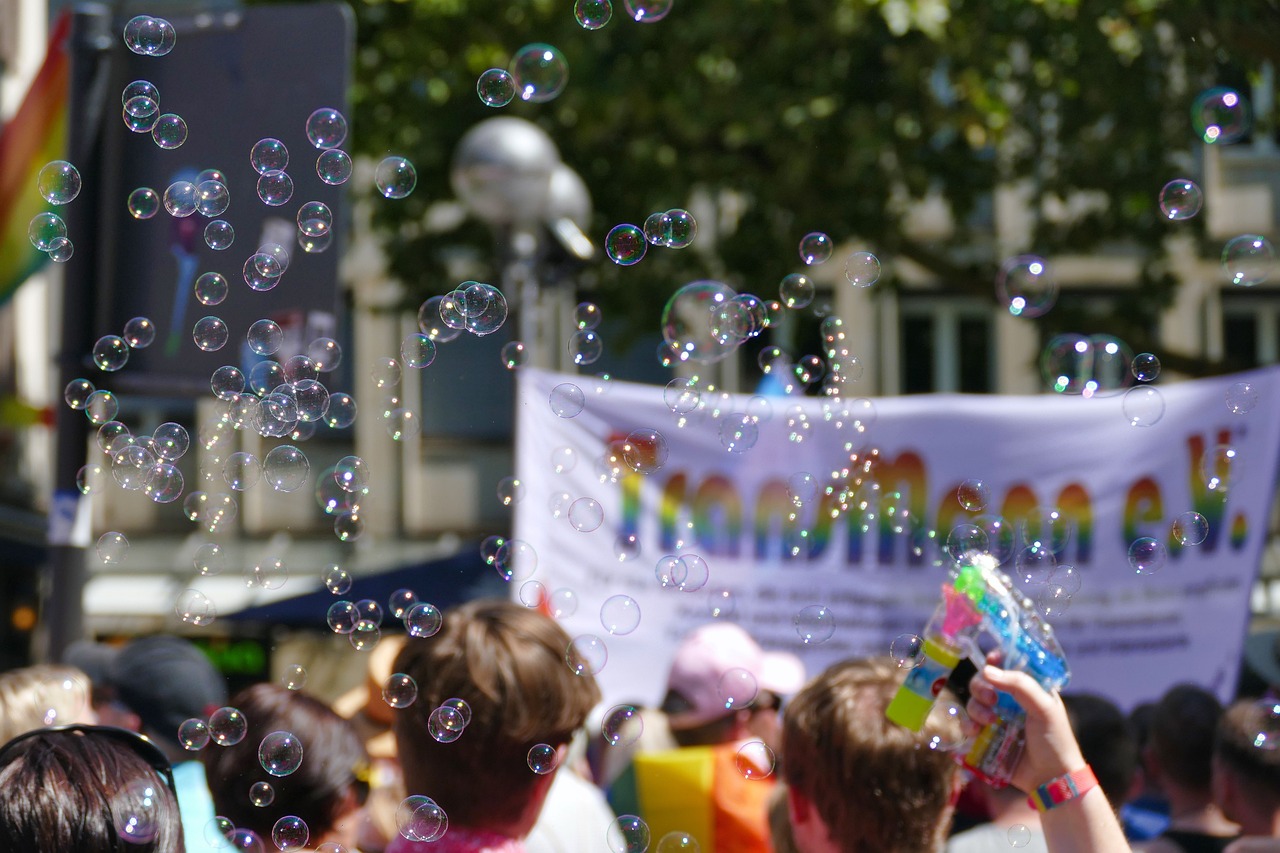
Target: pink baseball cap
[708, 672]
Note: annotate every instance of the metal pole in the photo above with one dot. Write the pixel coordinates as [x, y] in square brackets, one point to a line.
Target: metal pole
[62, 588]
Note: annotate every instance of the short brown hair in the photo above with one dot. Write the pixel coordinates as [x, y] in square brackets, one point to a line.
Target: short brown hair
[1237, 747]
[508, 663]
[335, 760]
[46, 694]
[876, 785]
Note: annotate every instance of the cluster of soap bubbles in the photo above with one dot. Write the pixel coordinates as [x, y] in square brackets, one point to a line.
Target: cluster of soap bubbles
[420, 818]
[447, 722]
[361, 622]
[59, 183]
[146, 35]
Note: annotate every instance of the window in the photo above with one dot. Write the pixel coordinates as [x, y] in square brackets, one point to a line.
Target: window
[1250, 330]
[946, 345]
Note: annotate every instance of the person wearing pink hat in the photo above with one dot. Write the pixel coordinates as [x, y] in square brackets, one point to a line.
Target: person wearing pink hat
[722, 701]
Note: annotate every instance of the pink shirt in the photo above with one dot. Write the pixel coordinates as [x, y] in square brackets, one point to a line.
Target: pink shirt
[459, 840]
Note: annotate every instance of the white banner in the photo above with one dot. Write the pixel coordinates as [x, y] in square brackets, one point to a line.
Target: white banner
[865, 553]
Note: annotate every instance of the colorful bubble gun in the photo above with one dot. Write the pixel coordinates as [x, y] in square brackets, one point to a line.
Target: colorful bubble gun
[980, 599]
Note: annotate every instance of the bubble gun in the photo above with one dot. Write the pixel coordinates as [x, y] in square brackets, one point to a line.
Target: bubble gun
[980, 599]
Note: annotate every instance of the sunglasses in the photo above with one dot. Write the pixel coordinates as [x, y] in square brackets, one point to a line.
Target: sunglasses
[137, 744]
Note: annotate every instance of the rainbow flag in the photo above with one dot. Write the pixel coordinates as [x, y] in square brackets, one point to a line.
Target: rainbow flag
[36, 134]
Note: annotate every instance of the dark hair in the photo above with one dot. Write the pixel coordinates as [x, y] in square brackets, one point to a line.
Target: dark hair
[66, 790]
[508, 663]
[1182, 730]
[876, 785]
[334, 759]
[1106, 742]
[1237, 746]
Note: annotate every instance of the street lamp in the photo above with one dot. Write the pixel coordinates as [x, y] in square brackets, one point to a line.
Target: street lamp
[507, 172]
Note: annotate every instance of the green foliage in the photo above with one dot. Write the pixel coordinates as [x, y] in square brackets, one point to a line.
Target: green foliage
[815, 115]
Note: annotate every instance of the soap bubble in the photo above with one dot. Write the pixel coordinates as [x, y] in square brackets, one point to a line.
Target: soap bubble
[326, 128]
[110, 353]
[620, 614]
[647, 11]
[169, 131]
[628, 834]
[112, 547]
[61, 250]
[681, 228]
[315, 219]
[268, 155]
[1143, 406]
[814, 624]
[862, 269]
[567, 400]
[1189, 528]
[334, 166]
[496, 87]
[625, 245]
[586, 655]
[1242, 397]
[275, 188]
[540, 72]
[1220, 115]
[592, 14]
[1248, 259]
[1147, 555]
[290, 833]
[423, 620]
[219, 235]
[1145, 367]
[1180, 199]
[58, 182]
[1026, 287]
[907, 651]
[181, 199]
[622, 725]
[228, 726]
[211, 288]
[44, 228]
[149, 36]
[815, 248]
[973, 495]
[395, 177]
[280, 753]
[193, 734]
[797, 290]
[143, 203]
[543, 759]
[400, 691]
[755, 760]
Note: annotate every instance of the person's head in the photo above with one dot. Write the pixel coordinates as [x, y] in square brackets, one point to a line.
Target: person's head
[89, 790]
[1246, 766]
[160, 682]
[719, 664]
[858, 782]
[1106, 741]
[507, 663]
[326, 790]
[1179, 750]
[46, 694]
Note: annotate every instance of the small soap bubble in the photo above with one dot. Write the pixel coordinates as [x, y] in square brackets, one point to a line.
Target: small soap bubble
[268, 155]
[1248, 259]
[136, 812]
[280, 753]
[61, 250]
[585, 347]
[445, 724]
[814, 624]
[326, 128]
[58, 182]
[285, 468]
[211, 288]
[228, 726]
[139, 333]
[77, 393]
[1189, 528]
[101, 406]
[334, 167]
[592, 14]
[678, 841]
[567, 400]
[681, 229]
[622, 725]
[44, 228]
[1266, 723]
[400, 601]
[219, 235]
[628, 834]
[112, 547]
[146, 35]
[210, 334]
[265, 337]
[1026, 286]
[275, 188]
[180, 199]
[1147, 555]
[1019, 835]
[400, 691]
[965, 538]
[423, 620]
[294, 677]
[1242, 397]
[815, 248]
[543, 759]
[1143, 406]
[342, 617]
[540, 72]
[907, 651]
[1180, 199]
[737, 688]
[496, 87]
[625, 244]
[755, 760]
[739, 433]
[510, 491]
[973, 495]
[290, 833]
[1220, 115]
[797, 290]
[395, 177]
[1145, 367]
[586, 515]
[647, 11]
[193, 734]
[315, 218]
[140, 113]
[337, 580]
[169, 131]
[194, 608]
[586, 655]
[862, 269]
[143, 203]
[261, 794]
[620, 614]
[563, 603]
[110, 353]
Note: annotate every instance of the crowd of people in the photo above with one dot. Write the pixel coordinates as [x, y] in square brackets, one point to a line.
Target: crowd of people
[476, 740]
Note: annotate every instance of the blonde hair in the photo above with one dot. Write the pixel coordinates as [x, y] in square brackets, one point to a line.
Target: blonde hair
[47, 694]
[877, 786]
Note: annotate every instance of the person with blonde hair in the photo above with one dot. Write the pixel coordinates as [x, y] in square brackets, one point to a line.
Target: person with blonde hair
[486, 769]
[46, 694]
